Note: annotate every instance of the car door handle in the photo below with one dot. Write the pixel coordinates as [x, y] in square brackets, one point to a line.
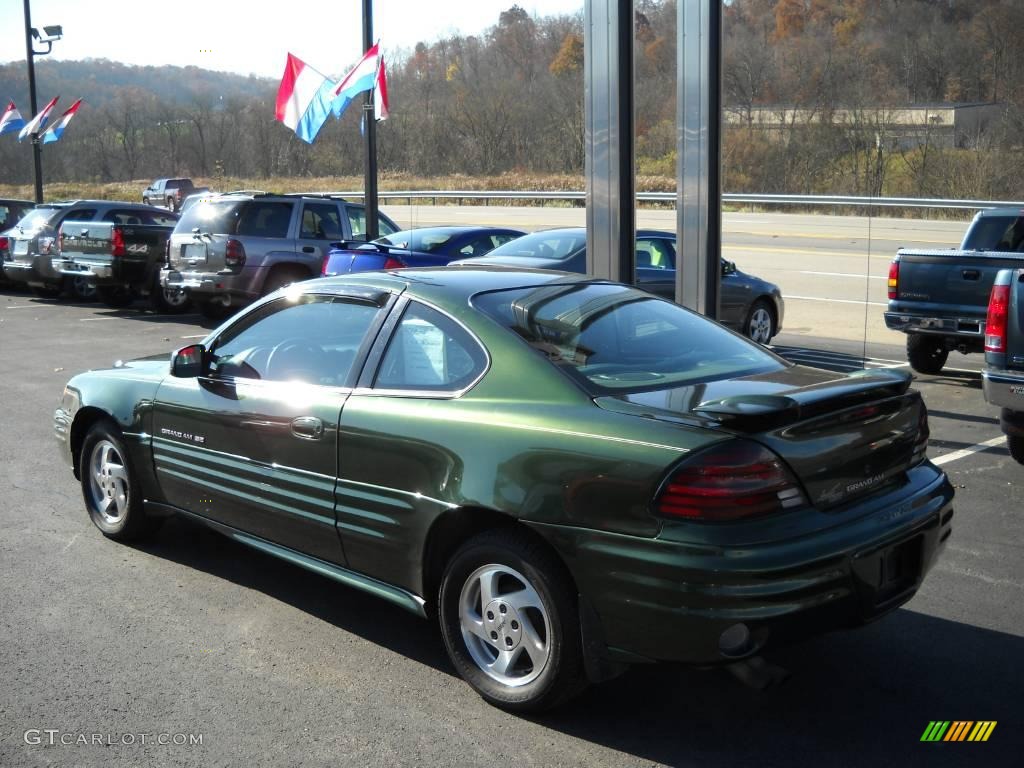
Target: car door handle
[308, 249]
[263, 426]
[971, 274]
[308, 428]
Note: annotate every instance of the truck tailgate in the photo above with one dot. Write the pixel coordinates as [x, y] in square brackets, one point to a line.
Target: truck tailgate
[960, 280]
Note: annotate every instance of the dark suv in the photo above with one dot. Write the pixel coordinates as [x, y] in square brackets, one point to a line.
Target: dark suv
[169, 192]
[229, 250]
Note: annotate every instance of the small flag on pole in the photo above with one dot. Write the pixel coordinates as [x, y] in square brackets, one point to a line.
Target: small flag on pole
[37, 123]
[363, 77]
[55, 131]
[303, 99]
[11, 120]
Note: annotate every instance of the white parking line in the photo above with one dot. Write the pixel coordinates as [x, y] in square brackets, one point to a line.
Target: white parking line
[946, 458]
[95, 319]
[24, 306]
[787, 297]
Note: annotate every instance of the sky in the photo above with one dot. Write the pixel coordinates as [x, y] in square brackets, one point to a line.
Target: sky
[248, 36]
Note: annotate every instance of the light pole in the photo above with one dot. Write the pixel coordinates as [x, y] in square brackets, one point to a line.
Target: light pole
[50, 34]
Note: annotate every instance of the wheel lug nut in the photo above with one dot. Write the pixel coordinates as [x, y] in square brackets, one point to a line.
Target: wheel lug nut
[490, 615]
[503, 609]
[508, 641]
[515, 625]
[494, 635]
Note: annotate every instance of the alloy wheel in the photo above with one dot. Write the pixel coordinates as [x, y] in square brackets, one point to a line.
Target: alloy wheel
[505, 625]
[108, 482]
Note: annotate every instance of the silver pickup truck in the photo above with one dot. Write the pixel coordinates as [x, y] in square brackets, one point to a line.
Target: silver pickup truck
[233, 248]
[939, 297]
[1003, 377]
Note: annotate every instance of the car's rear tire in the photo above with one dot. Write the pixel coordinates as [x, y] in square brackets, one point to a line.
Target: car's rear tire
[212, 309]
[760, 325]
[46, 291]
[169, 300]
[927, 354]
[509, 617]
[145, 201]
[80, 288]
[282, 276]
[110, 486]
[115, 296]
[1016, 445]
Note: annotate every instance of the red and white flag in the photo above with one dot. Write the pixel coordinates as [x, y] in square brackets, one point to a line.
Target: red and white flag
[37, 123]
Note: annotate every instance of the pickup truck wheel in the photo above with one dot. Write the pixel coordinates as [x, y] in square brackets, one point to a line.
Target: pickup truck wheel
[113, 496]
[927, 354]
[115, 296]
[172, 205]
[81, 288]
[169, 300]
[509, 617]
[760, 324]
[1016, 446]
[145, 201]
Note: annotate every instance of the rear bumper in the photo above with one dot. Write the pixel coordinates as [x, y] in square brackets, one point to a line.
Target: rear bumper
[34, 270]
[238, 284]
[672, 601]
[968, 327]
[98, 272]
[1003, 388]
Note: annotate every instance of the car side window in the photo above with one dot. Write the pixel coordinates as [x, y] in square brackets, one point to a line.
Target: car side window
[78, 214]
[430, 352]
[479, 246]
[320, 221]
[654, 253]
[357, 222]
[313, 339]
[264, 219]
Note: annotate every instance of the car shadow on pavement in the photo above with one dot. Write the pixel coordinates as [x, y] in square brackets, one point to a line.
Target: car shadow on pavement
[862, 697]
[856, 698]
[194, 545]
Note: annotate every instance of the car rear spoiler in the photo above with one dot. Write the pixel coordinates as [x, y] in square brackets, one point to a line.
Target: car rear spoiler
[756, 413]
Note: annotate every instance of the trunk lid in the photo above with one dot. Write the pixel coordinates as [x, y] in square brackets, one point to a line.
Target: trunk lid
[843, 435]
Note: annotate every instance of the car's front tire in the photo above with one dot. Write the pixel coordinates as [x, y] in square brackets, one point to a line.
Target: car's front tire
[110, 486]
[508, 614]
[760, 324]
[926, 353]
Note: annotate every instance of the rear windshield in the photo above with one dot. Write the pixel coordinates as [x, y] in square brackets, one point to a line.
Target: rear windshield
[255, 218]
[613, 339]
[553, 244]
[996, 233]
[178, 184]
[39, 217]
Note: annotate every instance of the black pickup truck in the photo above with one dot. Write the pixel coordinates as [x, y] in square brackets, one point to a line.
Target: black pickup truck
[122, 259]
[1003, 377]
[939, 297]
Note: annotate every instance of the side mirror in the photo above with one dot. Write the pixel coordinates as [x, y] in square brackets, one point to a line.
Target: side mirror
[188, 362]
[728, 267]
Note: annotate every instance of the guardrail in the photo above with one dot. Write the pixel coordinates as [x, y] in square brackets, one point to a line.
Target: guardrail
[670, 197]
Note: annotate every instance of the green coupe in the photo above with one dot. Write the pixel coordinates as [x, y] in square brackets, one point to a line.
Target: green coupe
[569, 474]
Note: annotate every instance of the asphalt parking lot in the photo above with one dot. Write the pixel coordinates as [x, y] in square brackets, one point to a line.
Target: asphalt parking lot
[270, 665]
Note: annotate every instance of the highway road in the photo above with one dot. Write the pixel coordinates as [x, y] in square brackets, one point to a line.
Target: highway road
[831, 269]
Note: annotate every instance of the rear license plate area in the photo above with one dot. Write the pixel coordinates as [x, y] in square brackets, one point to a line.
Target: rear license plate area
[194, 253]
[886, 574]
[20, 247]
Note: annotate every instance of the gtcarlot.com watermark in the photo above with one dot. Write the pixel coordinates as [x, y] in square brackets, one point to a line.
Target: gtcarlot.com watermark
[56, 737]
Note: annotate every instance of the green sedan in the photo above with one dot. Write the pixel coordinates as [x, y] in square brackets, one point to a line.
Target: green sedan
[570, 475]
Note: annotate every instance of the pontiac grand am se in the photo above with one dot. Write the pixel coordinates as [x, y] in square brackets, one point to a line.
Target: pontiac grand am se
[570, 475]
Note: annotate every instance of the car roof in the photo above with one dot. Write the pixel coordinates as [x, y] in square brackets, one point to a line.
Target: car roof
[448, 287]
[583, 231]
[15, 200]
[454, 229]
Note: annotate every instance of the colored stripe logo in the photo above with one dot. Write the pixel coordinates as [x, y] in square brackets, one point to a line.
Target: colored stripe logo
[958, 730]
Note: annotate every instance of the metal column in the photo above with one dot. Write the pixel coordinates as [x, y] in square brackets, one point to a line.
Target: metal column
[609, 168]
[699, 130]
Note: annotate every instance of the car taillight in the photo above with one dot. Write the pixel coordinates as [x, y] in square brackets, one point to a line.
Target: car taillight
[117, 242]
[894, 279]
[4, 244]
[323, 267]
[737, 479]
[234, 253]
[995, 323]
[923, 433]
[392, 263]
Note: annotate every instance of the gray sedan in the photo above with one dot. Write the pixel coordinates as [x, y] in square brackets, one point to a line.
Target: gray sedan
[750, 305]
